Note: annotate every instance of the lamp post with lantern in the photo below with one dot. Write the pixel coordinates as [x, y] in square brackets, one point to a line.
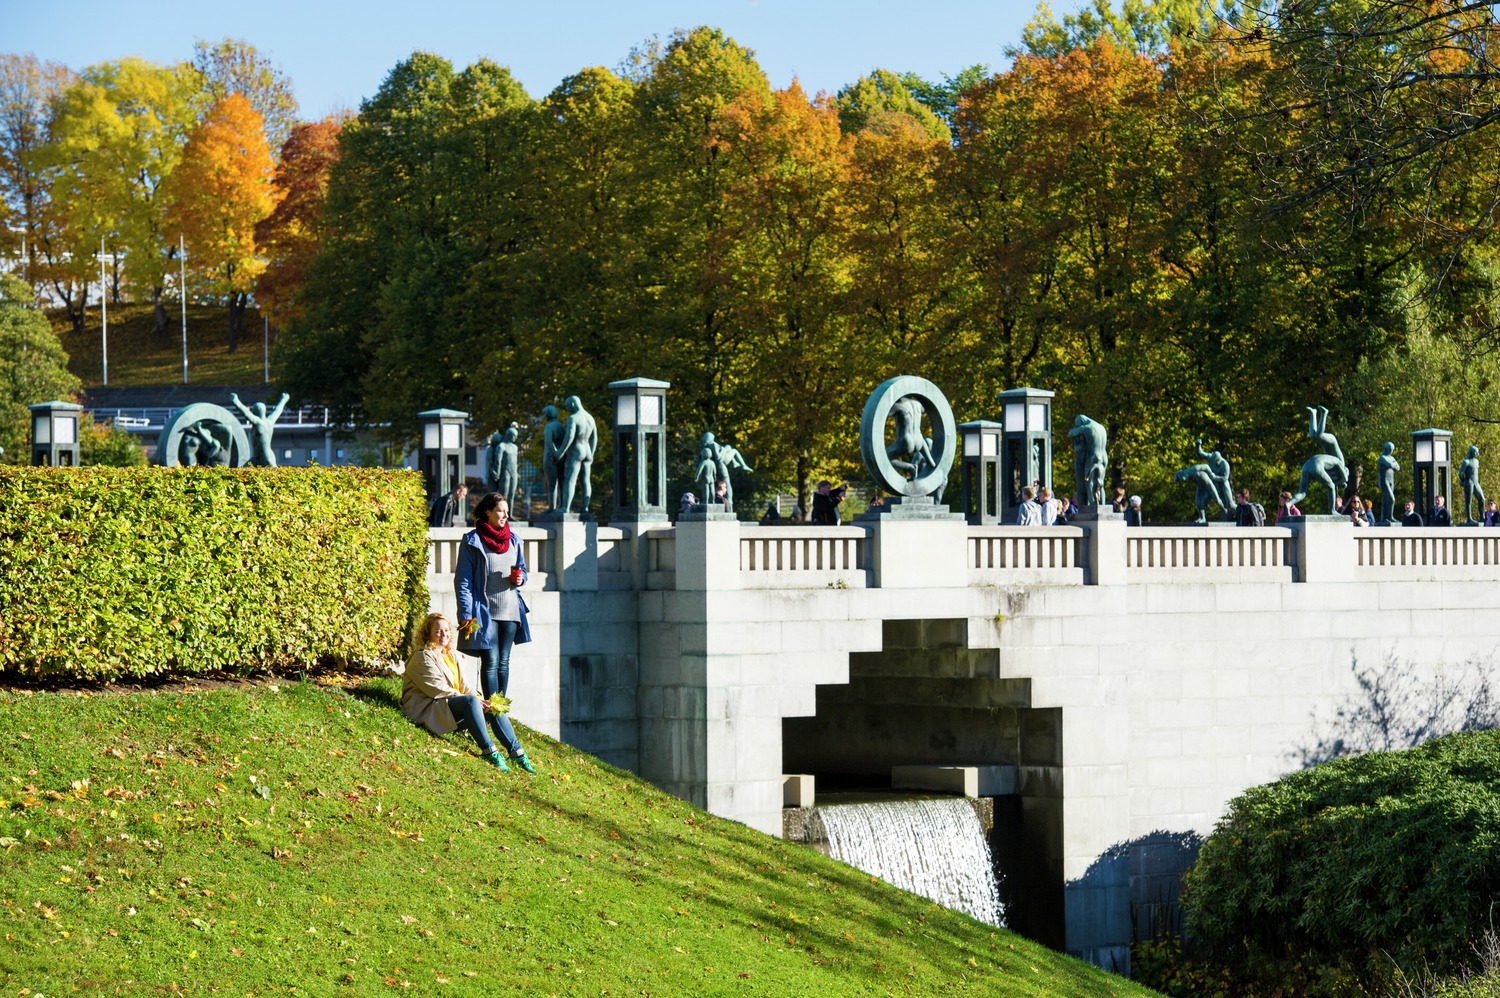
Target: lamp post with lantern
[1026, 444]
[440, 455]
[54, 434]
[982, 496]
[640, 450]
[1431, 468]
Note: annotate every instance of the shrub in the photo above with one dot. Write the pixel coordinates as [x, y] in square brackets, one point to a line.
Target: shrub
[111, 572]
[107, 444]
[1366, 862]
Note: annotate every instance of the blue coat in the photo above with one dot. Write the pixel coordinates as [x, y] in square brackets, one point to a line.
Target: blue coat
[468, 585]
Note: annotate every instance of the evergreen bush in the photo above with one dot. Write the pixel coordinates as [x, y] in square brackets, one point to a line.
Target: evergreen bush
[111, 572]
[1368, 863]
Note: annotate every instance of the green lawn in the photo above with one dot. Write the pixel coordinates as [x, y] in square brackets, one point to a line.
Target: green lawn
[139, 356]
[302, 838]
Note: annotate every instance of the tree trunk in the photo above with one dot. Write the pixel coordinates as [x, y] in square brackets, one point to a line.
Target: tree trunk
[237, 305]
[161, 312]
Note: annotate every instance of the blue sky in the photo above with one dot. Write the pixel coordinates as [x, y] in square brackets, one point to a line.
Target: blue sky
[336, 54]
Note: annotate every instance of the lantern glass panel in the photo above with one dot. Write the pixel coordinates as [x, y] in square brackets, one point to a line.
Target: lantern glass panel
[1015, 417]
[1036, 417]
[1442, 449]
[430, 436]
[41, 428]
[991, 444]
[452, 438]
[624, 410]
[1424, 451]
[651, 410]
[65, 429]
[971, 445]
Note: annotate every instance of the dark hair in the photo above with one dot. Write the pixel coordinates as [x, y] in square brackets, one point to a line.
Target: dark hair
[489, 502]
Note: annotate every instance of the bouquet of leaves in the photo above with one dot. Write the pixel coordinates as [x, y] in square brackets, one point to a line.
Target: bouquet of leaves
[499, 704]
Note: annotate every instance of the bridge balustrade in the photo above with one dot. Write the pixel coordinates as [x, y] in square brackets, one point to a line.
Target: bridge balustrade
[1408, 553]
[1211, 553]
[1000, 555]
[799, 557]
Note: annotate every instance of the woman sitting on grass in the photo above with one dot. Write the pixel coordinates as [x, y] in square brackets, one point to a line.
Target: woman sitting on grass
[435, 695]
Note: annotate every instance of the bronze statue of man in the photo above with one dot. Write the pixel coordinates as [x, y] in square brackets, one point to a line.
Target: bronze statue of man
[263, 424]
[1468, 477]
[1327, 467]
[1388, 466]
[1090, 459]
[578, 447]
[553, 435]
[505, 465]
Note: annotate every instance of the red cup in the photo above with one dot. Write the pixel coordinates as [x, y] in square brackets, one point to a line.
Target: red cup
[515, 576]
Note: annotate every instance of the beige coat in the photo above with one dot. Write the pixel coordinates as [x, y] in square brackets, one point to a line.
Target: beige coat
[427, 683]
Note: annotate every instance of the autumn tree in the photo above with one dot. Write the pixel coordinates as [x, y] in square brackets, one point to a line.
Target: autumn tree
[291, 235]
[27, 90]
[117, 132]
[796, 376]
[232, 66]
[217, 195]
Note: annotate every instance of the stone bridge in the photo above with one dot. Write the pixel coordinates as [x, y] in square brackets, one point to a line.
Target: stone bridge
[1125, 684]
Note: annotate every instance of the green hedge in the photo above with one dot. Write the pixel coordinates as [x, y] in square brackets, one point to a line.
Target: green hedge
[1366, 863]
[112, 572]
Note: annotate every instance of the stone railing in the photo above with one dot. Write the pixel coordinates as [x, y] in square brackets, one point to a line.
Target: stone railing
[1000, 555]
[443, 544]
[1408, 553]
[855, 556]
[1217, 553]
[802, 557]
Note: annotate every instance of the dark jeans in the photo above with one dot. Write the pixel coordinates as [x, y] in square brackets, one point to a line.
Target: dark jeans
[494, 661]
[470, 716]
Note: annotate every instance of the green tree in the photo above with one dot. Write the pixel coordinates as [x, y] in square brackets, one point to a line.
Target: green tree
[881, 102]
[415, 204]
[33, 366]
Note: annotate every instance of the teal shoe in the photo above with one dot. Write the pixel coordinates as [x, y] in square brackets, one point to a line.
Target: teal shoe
[524, 763]
[498, 761]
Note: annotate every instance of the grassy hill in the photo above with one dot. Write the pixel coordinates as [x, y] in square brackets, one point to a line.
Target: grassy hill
[302, 839]
[138, 356]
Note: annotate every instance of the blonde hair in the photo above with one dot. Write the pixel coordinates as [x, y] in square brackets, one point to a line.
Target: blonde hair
[425, 630]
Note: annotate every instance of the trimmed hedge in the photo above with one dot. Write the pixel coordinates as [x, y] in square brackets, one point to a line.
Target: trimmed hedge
[113, 572]
[1366, 863]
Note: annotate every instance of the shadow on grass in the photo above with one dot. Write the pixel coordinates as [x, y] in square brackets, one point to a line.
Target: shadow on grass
[377, 693]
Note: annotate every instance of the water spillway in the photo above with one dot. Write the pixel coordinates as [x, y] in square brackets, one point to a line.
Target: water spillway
[935, 848]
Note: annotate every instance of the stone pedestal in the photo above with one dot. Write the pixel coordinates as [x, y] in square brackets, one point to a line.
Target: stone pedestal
[917, 545]
[1325, 548]
[575, 552]
[1106, 544]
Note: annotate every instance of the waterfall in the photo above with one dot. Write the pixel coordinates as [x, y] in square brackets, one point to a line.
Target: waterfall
[935, 848]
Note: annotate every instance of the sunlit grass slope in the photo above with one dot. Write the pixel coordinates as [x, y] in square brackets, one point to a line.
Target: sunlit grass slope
[139, 356]
[259, 841]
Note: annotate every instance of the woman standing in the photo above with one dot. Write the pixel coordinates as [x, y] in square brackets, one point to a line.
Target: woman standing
[435, 695]
[491, 613]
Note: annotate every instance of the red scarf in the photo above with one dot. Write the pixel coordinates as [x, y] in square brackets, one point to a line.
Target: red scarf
[497, 539]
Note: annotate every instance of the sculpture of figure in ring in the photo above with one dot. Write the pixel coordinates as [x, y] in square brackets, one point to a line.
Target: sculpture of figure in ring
[911, 466]
[203, 434]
